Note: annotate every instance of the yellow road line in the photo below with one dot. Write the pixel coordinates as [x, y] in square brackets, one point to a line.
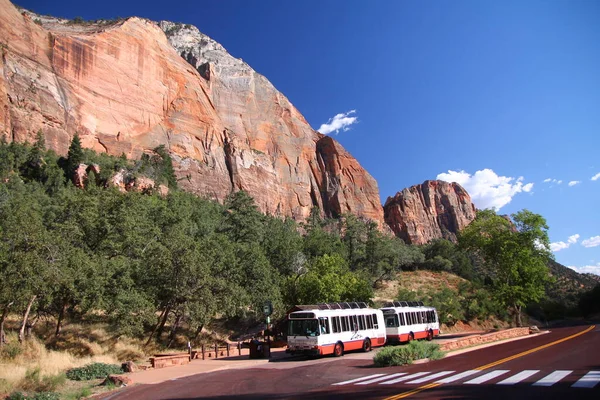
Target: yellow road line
[493, 364]
[490, 365]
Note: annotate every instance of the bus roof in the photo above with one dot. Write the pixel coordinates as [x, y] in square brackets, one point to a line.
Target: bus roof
[316, 313]
[405, 309]
[396, 303]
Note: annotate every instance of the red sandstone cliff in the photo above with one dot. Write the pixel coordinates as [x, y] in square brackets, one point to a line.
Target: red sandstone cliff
[127, 87]
[431, 210]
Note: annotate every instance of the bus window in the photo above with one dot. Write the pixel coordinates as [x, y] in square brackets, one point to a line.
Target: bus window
[354, 323]
[391, 321]
[344, 324]
[402, 319]
[361, 322]
[324, 325]
[303, 327]
[375, 322]
[369, 321]
[335, 324]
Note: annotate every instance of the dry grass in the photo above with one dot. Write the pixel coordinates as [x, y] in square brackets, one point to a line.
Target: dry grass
[416, 281]
[427, 281]
[36, 365]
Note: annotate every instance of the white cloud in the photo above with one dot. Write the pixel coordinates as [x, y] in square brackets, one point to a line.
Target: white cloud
[596, 177]
[587, 269]
[551, 180]
[340, 121]
[487, 189]
[558, 246]
[573, 183]
[573, 238]
[591, 242]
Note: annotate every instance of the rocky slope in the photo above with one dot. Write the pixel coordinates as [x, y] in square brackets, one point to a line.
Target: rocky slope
[431, 210]
[126, 88]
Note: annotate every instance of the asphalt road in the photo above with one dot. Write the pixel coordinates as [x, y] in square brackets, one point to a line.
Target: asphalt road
[551, 366]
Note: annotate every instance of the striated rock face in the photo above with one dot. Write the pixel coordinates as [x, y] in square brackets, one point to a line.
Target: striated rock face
[126, 89]
[431, 210]
[271, 150]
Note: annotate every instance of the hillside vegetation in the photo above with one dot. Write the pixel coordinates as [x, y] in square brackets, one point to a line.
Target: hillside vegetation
[99, 273]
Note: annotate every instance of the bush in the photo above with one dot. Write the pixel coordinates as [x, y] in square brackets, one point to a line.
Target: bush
[34, 396]
[35, 382]
[93, 371]
[403, 355]
[10, 351]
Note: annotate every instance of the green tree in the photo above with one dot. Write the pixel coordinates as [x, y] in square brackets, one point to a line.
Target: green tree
[75, 156]
[516, 254]
[282, 245]
[328, 280]
[320, 239]
[242, 222]
[355, 240]
[443, 255]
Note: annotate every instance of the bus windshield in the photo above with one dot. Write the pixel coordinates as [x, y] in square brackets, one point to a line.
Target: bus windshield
[303, 327]
[391, 321]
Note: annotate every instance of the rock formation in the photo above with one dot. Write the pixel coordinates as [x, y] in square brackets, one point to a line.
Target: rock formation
[431, 210]
[126, 89]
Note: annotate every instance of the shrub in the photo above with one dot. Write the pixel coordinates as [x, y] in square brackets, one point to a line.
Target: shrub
[403, 355]
[35, 382]
[11, 351]
[79, 394]
[93, 371]
[34, 396]
[390, 356]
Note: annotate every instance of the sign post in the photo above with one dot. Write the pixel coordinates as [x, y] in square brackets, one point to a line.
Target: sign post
[267, 311]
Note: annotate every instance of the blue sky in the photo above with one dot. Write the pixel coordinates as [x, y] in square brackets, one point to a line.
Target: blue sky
[431, 89]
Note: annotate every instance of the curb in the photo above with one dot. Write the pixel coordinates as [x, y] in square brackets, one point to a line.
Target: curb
[484, 345]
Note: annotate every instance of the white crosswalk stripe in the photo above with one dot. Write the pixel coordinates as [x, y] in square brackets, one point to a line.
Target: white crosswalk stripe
[381, 378]
[458, 377]
[552, 378]
[430, 377]
[590, 380]
[519, 377]
[358, 379]
[404, 378]
[487, 377]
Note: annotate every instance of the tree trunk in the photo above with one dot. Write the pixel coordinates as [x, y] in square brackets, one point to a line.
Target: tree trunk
[198, 331]
[29, 326]
[174, 329]
[61, 316]
[158, 324]
[25, 317]
[161, 327]
[518, 316]
[2, 319]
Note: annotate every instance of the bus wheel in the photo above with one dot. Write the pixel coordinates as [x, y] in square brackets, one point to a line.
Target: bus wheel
[430, 335]
[338, 350]
[367, 345]
[411, 337]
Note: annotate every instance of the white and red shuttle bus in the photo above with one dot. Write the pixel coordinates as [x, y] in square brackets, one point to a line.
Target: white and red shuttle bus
[335, 328]
[409, 320]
